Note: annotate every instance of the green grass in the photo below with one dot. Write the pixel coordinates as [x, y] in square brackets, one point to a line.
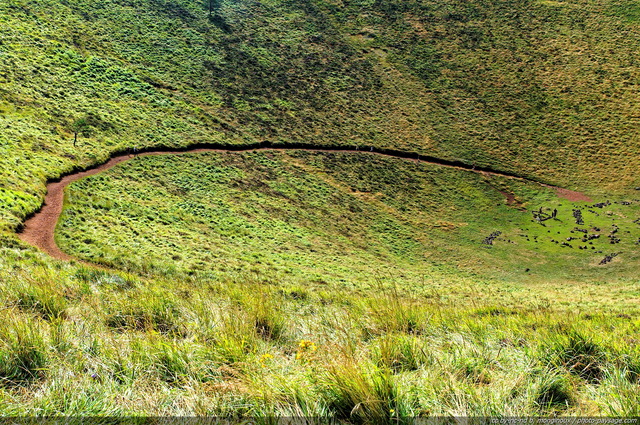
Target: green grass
[24, 352]
[341, 219]
[322, 285]
[543, 89]
[364, 357]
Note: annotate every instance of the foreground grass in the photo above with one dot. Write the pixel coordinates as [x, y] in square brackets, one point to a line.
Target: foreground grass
[78, 340]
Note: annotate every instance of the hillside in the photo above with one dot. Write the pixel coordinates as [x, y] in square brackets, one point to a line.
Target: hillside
[341, 283]
[347, 219]
[542, 89]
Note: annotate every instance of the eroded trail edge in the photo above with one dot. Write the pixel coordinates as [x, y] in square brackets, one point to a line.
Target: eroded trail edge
[39, 229]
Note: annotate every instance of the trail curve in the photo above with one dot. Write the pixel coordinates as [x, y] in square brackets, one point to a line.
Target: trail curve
[39, 229]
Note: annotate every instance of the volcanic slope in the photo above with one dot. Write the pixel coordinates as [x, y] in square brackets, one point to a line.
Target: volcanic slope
[415, 305]
[349, 218]
[542, 89]
[296, 283]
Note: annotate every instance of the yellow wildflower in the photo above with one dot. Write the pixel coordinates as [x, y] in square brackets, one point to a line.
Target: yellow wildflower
[305, 349]
[264, 358]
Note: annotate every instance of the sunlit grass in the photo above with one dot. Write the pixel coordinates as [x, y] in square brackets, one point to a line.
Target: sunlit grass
[481, 83]
[339, 219]
[325, 286]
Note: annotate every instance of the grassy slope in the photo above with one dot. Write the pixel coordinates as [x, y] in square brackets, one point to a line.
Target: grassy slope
[348, 220]
[76, 340]
[515, 85]
[545, 89]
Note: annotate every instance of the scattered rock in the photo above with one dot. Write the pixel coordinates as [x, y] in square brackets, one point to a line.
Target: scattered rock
[577, 214]
[608, 258]
[489, 239]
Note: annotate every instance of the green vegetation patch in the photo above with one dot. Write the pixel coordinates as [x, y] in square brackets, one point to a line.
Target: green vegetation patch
[243, 347]
[323, 285]
[628, 10]
[345, 219]
[542, 89]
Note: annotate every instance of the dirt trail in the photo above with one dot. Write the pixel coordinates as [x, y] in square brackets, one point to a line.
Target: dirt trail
[39, 229]
[571, 195]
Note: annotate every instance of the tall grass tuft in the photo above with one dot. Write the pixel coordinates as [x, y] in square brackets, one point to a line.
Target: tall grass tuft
[23, 351]
[360, 395]
[228, 332]
[175, 363]
[267, 317]
[578, 354]
[400, 353]
[147, 312]
[392, 313]
[37, 296]
[554, 392]
[618, 395]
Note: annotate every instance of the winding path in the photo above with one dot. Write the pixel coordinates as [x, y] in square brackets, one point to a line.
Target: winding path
[39, 229]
